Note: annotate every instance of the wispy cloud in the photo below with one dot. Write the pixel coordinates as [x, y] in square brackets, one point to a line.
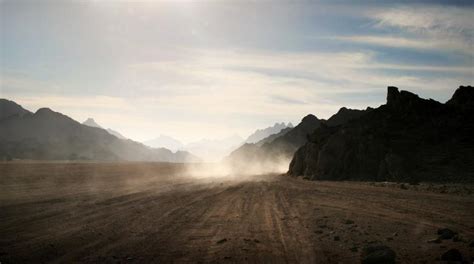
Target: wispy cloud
[422, 27]
[419, 43]
[427, 19]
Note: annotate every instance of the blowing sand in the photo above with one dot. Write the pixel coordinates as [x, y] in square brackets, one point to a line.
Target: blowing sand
[151, 212]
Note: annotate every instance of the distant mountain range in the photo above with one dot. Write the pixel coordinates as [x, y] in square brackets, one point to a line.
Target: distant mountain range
[49, 135]
[215, 149]
[164, 141]
[266, 132]
[408, 139]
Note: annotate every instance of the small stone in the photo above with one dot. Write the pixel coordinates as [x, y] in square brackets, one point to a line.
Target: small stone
[435, 240]
[256, 241]
[337, 238]
[222, 241]
[318, 231]
[349, 222]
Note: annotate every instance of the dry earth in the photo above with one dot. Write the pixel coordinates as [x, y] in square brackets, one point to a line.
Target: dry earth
[150, 212]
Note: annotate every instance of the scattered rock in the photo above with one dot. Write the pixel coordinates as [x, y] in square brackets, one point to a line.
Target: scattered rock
[256, 241]
[222, 241]
[435, 240]
[318, 231]
[446, 233]
[452, 255]
[349, 222]
[377, 253]
[337, 238]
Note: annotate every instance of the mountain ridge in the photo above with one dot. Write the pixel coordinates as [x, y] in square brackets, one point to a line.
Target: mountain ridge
[58, 137]
[406, 139]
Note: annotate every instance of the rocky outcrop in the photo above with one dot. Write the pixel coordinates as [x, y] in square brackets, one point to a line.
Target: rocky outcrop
[407, 139]
[279, 148]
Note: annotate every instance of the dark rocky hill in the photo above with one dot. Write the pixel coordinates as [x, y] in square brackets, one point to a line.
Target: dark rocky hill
[49, 135]
[279, 148]
[408, 139]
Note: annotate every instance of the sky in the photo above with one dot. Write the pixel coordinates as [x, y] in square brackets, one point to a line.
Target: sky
[212, 69]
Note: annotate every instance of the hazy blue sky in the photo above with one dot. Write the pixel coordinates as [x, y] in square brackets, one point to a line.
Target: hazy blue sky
[209, 69]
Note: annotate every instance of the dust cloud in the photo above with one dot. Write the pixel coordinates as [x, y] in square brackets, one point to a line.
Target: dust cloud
[236, 169]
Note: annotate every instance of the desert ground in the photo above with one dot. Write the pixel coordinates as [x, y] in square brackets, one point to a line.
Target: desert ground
[60, 212]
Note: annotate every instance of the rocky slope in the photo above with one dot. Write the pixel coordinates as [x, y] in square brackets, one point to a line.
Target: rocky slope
[407, 139]
[49, 135]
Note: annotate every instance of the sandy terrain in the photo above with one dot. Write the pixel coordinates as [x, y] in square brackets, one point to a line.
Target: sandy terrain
[145, 212]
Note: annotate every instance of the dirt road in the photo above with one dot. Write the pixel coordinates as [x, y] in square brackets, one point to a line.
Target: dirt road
[137, 213]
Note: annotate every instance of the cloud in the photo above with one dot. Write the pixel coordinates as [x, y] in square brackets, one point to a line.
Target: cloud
[422, 27]
[423, 43]
[427, 19]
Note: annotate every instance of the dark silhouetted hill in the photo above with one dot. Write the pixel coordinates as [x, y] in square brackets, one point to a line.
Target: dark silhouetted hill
[278, 149]
[49, 135]
[9, 109]
[409, 139]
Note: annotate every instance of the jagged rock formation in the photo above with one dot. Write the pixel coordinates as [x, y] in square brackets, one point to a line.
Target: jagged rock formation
[266, 132]
[49, 135]
[407, 139]
[280, 149]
